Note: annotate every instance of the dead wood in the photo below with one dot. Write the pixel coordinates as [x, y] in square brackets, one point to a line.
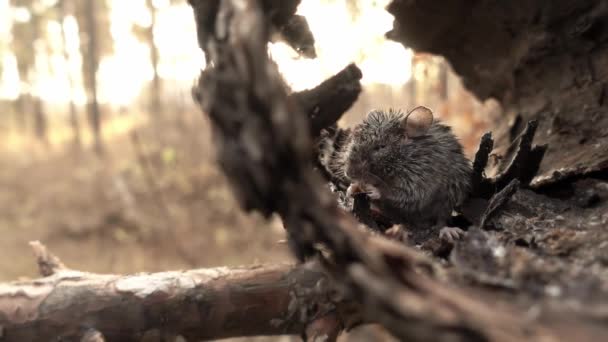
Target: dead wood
[327, 102]
[282, 19]
[522, 167]
[498, 201]
[297, 34]
[214, 303]
[526, 159]
[489, 194]
[48, 264]
[544, 61]
[266, 155]
[479, 182]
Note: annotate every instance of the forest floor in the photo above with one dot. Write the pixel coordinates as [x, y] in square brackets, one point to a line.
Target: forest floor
[155, 201]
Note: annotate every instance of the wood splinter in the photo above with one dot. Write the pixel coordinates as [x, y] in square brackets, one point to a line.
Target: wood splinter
[92, 335]
[48, 263]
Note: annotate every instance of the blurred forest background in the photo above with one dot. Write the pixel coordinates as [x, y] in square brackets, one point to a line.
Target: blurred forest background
[105, 158]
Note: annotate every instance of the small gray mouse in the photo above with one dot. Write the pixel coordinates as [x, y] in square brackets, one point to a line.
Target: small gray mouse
[411, 167]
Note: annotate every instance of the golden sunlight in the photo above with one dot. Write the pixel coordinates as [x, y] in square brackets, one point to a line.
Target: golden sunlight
[123, 75]
[345, 32]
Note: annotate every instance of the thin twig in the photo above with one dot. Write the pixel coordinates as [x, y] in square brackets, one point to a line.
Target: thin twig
[48, 264]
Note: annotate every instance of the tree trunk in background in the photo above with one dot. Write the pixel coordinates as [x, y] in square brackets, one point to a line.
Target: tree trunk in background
[73, 114]
[21, 35]
[155, 91]
[28, 104]
[20, 105]
[90, 65]
[40, 119]
[40, 123]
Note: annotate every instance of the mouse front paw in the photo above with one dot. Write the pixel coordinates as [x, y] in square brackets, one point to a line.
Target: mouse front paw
[357, 188]
[451, 234]
[372, 192]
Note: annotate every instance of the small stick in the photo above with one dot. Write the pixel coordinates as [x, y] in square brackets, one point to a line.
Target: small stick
[526, 161]
[499, 200]
[48, 264]
[481, 161]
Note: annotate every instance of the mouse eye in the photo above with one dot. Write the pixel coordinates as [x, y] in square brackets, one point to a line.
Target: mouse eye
[381, 146]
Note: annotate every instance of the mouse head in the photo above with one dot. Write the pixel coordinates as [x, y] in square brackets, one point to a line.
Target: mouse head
[377, 145]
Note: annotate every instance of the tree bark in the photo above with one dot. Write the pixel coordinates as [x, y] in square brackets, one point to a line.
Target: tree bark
[545, 61]
[40, 121]
[29, 104]
[196, 304]
[328, 101]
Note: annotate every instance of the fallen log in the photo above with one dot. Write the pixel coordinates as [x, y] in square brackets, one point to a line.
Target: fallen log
[201, 304]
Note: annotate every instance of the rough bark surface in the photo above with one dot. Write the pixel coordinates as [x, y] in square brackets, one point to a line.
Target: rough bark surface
[196, 304]
[542, 60]
[328, 101]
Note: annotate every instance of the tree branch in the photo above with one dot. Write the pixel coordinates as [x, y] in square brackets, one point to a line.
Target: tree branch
[196, 304]
[48, 264]
[328, 101]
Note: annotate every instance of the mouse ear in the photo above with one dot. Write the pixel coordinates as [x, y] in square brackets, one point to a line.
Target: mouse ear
[417, 122]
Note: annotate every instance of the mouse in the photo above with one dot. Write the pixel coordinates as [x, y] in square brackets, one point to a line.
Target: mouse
[411, 166]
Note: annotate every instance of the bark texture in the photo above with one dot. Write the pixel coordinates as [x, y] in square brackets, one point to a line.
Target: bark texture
[542, 60]
[201, 304]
